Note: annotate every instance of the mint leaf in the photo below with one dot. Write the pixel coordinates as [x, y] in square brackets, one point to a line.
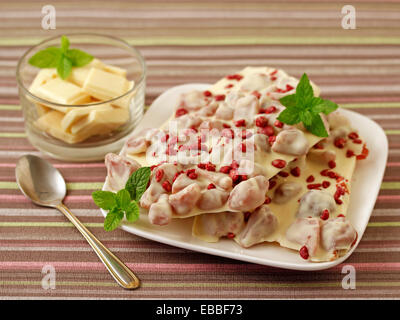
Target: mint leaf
[317, 127]
[78, 57]
[290, 115]
[304, 92]
[104, 199]
[132, 212]
[137, 182]
[63, 58]
[64, 67]
[123, 199]
[304, 107]
[289, 101]
[113, 219]
[64, 44]
[325, 106]
[47, 58]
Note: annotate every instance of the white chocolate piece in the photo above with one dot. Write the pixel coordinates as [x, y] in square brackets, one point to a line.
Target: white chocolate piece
[119, 169]
[104, 85]
[77, 113]
[62, 92]
[101, 121]
[42, 77]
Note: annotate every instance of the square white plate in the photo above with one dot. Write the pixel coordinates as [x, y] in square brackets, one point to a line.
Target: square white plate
[365, 188]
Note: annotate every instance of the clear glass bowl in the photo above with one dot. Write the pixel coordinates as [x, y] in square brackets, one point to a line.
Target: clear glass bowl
[109, 50]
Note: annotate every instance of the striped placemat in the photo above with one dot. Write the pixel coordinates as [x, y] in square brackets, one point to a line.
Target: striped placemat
[187, 42]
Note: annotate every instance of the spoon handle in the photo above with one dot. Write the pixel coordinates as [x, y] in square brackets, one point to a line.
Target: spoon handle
[120, 272]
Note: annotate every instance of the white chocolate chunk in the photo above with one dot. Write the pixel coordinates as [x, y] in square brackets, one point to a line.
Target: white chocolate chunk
[77, 113]
[42, 77]
[63, 92]
[105, 85]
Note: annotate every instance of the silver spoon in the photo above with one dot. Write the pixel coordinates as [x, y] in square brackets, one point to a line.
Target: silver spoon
[45, 186]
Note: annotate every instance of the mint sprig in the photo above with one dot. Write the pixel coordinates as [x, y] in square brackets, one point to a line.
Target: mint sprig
[303, 107]
[125, 201]
[63, 58]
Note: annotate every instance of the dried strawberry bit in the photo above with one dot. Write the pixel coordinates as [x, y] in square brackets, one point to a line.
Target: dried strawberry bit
[268, 131]
[339, 192]
[225, 125]
[364, 153]
[211, 186]
[271, 139]
[210, 167]
[270, 109]
[240, 123]
[332, 164]
[191, 173]
[247, 215]
[279, 163]
[357, 141]
[340, 143]
[159, 175]
[225, 169]
[267, 200]
[261, 122]
[353, 135]
[229, 86]
[171, 152]
[176, 175]
[325, 215]
[349, 153]
[243, 147]
[230, 235]
[207, 93]
[273, 78]
[355, 239]
[180, 112]
[220, 97]
[304, 252]
[283, 174]
[326, 184]
[289, 87]
[234, 176]
[314, 186]
[295, 172]
[236, 77]
[243, 177]
[340, 216]
[228, 133]
[333, 175]
[234, 164]
[278, 124]
[165, 138]
[261, 111]
[272, 184]
[325, 172]
[245, 134]
[201, 165]
[310, 179]
[256, 94]
[274, 72]
[167, 186]
[318, 146]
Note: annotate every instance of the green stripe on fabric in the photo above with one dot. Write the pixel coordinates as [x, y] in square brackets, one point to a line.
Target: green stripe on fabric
[390, 185]
[370, 105]
[337, 284]
[48, 224]
[225, 40]
[12, 135]
[9, 107]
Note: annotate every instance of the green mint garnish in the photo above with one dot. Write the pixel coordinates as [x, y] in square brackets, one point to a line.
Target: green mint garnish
[303, 107]
[125, 201]
[63, 58]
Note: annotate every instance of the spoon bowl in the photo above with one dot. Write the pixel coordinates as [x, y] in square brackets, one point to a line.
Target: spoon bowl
[40, 181]
[45, 186]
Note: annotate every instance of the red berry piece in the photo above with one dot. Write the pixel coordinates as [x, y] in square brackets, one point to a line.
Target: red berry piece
[180, 112]
[279, 163]
[295, 172]
[167, 186]
[325, 214]
[304, 252]
[159, 175]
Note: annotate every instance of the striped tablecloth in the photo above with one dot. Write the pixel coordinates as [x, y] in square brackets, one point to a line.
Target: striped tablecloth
[187, 42]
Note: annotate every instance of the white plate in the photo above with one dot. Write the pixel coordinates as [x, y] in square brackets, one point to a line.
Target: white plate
[365, 188]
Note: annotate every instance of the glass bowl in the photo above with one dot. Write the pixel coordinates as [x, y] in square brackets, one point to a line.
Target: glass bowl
[101, 126]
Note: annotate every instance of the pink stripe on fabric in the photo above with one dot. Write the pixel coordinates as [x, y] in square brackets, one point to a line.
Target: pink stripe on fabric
[62, 165]
[390, 197]
[176, 267]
